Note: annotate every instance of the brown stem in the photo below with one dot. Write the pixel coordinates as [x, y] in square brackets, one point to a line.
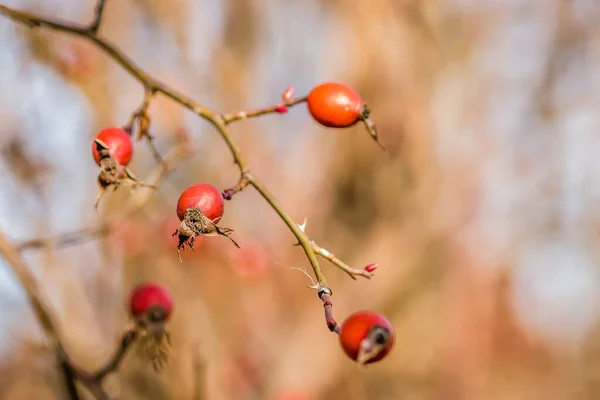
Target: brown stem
[128, 338]
[239, 186]
[67, 239]
[239, 115]
[98, 14]
[328, 306]
[352, 272]
[37, 302]
[69, 376]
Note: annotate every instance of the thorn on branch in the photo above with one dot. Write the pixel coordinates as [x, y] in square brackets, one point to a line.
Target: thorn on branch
[302, 226]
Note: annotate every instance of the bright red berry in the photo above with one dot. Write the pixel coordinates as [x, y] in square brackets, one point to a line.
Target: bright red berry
[335, 105]
[204, 196]
[150, 302]
[366, 337]
[251, 261]
[118, 143]
[199, 208]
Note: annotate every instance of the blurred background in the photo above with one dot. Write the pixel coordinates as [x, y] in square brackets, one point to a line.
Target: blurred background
[482, 214]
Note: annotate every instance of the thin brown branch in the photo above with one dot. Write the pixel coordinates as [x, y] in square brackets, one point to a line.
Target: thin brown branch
[328, 306]
[37, 302]
[276, 109]
[69, 376]
[352, 272]
[27, 281]
[239, 186]
[93, 382]
[128, 338]
[98, 14]
[304, 241]
[66, 239]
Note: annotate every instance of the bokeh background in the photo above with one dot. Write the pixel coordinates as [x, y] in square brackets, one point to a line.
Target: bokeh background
[482, 214]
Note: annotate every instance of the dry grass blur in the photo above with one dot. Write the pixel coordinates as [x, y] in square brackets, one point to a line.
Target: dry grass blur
[482, 214]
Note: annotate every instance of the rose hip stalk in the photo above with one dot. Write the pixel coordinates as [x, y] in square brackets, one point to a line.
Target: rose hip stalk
[200, 208]
[150, 306]
[112, 150]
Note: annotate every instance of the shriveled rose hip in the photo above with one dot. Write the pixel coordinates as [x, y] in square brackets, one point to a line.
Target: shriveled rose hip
[118, 142]
[366, 337]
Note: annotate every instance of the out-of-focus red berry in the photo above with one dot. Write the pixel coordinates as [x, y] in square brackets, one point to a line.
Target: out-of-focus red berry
[204, 196]
[367, 336]
[250, 261]
[131, 236]
[335, 105]
[118, 142]
[150, 297]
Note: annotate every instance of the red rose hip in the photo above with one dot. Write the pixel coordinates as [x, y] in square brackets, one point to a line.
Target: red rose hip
[118, 143]
[150, 303]
[335, 105]
[204, 196]
[366, 337]
[200, 208]
[151, 306]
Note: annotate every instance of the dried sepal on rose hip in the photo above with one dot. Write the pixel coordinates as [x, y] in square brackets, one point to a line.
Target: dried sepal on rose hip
[336, 105]
[200, 208]
[150, 306]
[366, 337]
[112, 150]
